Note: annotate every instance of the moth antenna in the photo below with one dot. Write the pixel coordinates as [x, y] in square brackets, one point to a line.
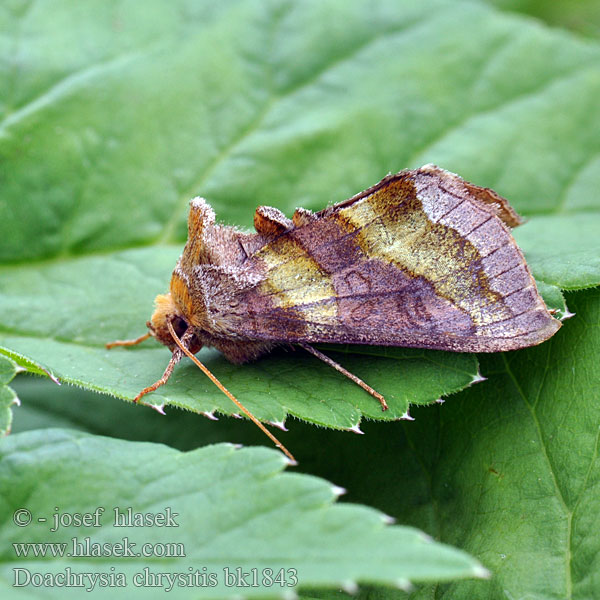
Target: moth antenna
[139, 340]
[349, 375]
[227, 393]
[174, 360]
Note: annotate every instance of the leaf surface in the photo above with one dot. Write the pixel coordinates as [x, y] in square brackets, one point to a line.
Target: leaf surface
[222, 509]
[506, 470]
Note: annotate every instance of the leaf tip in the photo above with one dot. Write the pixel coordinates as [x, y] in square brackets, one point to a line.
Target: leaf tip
[288, 462]
[481, 572]
[566, 314]
[51, 375]
[159, 408]
[478, 378]
[338, 491]
[440, 401]
[356, 429]
[406, 417]
[349, 586]
[404, 584]
[278, 424]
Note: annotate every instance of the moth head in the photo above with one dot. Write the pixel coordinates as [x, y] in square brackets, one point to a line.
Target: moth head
[165, 311]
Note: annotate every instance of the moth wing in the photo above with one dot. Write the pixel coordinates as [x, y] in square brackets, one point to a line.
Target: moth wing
[417, 260]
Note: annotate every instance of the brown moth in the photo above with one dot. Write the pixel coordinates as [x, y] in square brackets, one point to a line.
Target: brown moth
[421, 259]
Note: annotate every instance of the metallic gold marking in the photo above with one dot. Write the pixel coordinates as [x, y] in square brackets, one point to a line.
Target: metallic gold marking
[295, 279]
[411, 241]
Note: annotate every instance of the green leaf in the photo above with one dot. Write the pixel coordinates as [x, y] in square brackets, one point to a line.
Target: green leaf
[554, 299]
[563, 250]
[523, 495]
[221, 509]
[176, 100]
[8, 369]
[510, 474]
[484, 471]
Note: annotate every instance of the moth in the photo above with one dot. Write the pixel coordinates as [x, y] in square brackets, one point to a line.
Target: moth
[422, 259]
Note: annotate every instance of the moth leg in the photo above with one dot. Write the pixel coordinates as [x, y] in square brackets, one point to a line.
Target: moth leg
[174, 360]
[351, 376]
[128, 342]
